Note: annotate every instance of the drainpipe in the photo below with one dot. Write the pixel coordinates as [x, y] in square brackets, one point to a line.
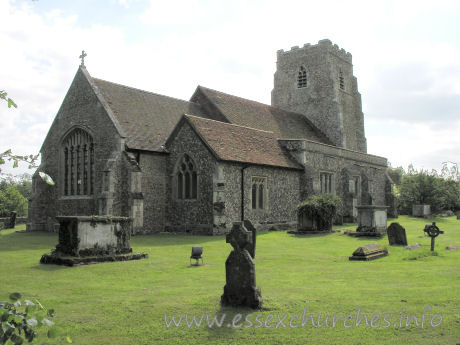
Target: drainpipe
[242, 191]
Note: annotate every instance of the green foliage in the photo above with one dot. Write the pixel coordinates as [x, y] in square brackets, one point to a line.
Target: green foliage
[396, 175]
[18, 320]
[323, 206]
[3, 95]
[12, 200]
[421, 187]
[16, 159]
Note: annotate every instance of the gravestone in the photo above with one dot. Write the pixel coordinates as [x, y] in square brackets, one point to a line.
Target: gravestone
[92, 239]
[421, 210]
[396, 235]
[432, 231]
[252, 249]
[11, 223]
[240, 289]
[372, 220]
[369, 252]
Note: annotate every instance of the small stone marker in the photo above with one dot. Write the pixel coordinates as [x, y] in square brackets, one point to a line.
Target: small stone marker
[396, 235]
[413, 246]
[369, 252]
[240, 289]
[452, 247]
[432, 231]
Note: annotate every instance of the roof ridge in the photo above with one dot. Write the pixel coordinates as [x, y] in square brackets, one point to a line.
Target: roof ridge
[250, 100]
[228, 94]
[230, 124]
[145, 91]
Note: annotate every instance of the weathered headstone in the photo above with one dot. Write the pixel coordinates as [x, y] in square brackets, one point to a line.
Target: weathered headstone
[369, 252]
[240, 289]
[11, 223]
[396, 235]
[372, 219]
[421, 210]
[252, 249]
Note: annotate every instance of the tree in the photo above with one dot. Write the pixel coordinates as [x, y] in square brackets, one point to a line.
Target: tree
[442, 191]
[12, 200]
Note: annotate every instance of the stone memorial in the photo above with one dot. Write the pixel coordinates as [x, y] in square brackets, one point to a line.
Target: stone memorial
[91, 239]
[240, 289]
[432, 231]
[252, 248]
[11, 223]
[396, 235]
[421, 210]
[372, 219]
[369, 252]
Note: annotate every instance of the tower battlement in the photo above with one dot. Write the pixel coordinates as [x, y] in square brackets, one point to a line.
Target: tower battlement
[325, 44]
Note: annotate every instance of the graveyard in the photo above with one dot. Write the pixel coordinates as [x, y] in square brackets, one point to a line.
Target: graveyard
[126, 302]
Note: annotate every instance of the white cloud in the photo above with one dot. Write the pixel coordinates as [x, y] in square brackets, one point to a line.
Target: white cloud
[403, 75]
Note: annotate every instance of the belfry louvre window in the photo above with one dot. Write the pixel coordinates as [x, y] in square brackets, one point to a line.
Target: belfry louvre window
[187, 179]
[341, 81]
[78, 154]
[259, 192]
[302, 78]
[326, 182]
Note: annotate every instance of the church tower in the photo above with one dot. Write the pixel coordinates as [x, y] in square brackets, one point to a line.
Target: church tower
[317, 81]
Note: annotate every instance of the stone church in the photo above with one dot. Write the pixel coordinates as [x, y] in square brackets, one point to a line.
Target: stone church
[197, 166]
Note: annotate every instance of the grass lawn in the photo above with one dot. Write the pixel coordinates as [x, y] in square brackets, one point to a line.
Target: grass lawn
[125, 302]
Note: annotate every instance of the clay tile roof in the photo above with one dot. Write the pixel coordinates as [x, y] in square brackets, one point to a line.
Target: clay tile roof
[241, 144]
[146, 118]
[284, 124]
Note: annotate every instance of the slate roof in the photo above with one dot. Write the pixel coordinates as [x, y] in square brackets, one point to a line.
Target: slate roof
[284, 124]
[236, 143]
[146, 118]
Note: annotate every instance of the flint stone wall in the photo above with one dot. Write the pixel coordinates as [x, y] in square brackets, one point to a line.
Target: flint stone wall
[343, 164]
[80, 108]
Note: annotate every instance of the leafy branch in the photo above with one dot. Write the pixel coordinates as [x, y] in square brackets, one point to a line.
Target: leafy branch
[19, 320]
[4, 96]
[9, 156]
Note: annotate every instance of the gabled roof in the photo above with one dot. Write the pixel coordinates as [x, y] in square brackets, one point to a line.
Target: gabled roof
[147, 119]
[229, 142]
[240, 111]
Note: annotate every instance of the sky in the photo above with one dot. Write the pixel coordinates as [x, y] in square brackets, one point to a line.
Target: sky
[406, 57]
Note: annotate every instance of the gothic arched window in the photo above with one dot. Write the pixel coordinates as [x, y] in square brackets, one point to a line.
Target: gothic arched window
[78, 154]
[187, 179]
[302, 78]
[259, 192]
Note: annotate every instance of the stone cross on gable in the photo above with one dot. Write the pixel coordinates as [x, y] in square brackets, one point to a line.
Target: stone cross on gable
[82, 57]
